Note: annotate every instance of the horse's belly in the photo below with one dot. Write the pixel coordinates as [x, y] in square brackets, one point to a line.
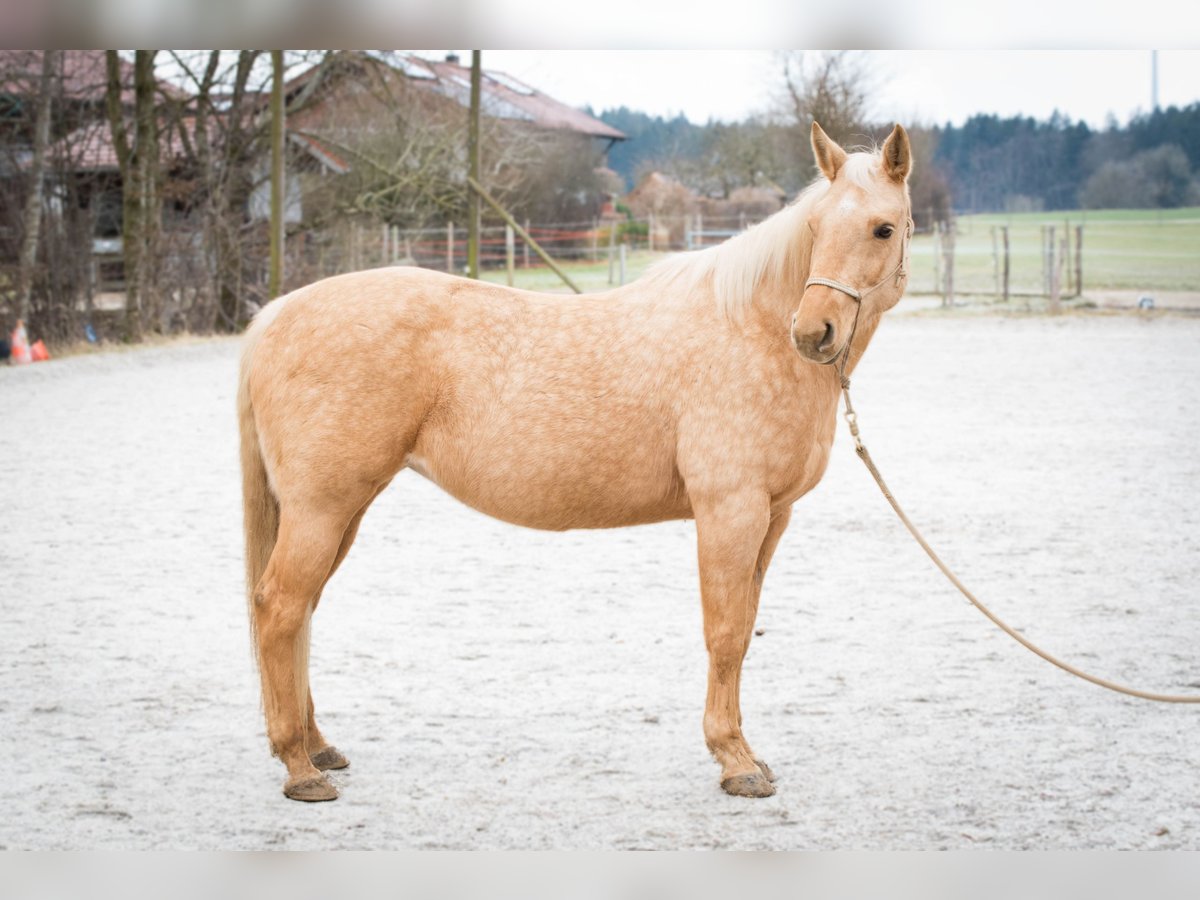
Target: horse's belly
[556, 497]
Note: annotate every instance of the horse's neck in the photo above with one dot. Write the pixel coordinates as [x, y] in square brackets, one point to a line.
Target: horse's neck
[862, 337]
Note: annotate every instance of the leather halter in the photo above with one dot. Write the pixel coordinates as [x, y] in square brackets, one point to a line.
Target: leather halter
[900, 273]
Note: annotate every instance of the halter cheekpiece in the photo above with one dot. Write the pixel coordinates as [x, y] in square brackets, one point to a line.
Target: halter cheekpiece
[900, 272]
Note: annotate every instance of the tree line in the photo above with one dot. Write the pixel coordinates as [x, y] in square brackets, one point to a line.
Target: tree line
[987, 164]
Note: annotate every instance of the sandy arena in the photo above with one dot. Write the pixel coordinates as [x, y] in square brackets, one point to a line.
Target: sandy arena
[502, 688]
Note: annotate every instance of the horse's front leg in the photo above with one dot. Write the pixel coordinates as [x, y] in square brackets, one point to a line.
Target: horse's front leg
[732, 533]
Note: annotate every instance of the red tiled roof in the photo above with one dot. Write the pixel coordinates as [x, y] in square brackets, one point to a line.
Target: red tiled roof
[84, 75]
[524, 103]
[90, 147]
[504, 97]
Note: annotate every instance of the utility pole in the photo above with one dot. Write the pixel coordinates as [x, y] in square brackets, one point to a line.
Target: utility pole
[275, 273]
[473, 161]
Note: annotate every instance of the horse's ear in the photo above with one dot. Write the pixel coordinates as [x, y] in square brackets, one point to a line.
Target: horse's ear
[830, 157]
[897, 155]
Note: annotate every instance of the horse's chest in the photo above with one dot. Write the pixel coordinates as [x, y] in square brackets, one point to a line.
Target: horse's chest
[799, 439]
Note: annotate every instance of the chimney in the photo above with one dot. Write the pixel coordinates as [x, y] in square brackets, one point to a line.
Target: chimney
[452, 57]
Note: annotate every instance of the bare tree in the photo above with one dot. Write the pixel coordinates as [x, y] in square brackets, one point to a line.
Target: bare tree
[37, 178]
[139, 165]
[220, 130]
[275, 277]
[830, 87]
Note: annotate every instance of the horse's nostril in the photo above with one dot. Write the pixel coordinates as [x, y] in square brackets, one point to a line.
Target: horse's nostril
[827, 338]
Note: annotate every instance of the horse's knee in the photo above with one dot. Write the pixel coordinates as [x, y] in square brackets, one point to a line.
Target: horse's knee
[278, 613]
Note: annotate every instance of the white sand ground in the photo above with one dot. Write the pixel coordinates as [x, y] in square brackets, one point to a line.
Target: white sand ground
[502, 688]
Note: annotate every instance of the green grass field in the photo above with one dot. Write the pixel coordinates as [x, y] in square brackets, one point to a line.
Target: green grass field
[1127, 249]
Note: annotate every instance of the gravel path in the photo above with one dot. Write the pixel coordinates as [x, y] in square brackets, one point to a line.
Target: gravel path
[503, 688]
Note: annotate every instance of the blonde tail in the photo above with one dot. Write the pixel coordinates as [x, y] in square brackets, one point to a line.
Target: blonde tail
[260, 517]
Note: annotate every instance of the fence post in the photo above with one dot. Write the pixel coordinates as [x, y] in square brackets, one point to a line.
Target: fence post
[595, 240]
[1068, 269]
[612, 248]
[948, 245]
[1055, 264]
[509, 252]
[622, 257]
[937, 257]
[996, 258]
[1078, 260]
[1004, 229]
[525, 246]
[450, 247]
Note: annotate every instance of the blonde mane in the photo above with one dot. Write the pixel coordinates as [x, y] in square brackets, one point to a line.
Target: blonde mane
[776, 251]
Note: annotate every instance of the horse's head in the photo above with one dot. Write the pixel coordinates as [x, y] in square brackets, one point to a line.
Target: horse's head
[860, 231]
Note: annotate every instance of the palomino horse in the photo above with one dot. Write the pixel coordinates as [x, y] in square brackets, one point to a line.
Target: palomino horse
[703, 390]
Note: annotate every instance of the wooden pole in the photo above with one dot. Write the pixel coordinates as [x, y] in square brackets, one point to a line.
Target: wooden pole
[275, 272]
[1068, 269]
[525, 247]
[450, 247]
[1055, 263]
[612, 249]
[509, 252]
[1007, 260]
[1078, 260]
[537, 248]
[996, 258]
[473, 162]
[948, 245]
[595, 240]
[937, 257]
[622, 257]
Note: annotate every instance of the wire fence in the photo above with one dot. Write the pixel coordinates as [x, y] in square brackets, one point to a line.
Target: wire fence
[1027, 256]
[1017, 257]
[360, 244]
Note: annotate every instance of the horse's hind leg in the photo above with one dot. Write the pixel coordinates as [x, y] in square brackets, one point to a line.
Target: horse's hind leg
[304, 553]
[732, 534]
[322, 753]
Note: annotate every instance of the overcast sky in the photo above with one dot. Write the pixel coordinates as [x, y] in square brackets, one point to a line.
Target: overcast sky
[932, 86]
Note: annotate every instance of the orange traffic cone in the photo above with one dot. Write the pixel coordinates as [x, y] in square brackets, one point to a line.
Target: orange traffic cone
[20, 345]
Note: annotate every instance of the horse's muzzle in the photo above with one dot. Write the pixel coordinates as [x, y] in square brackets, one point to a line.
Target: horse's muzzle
[817, 343]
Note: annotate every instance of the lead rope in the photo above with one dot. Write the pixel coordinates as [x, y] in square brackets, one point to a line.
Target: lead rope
[861, 450]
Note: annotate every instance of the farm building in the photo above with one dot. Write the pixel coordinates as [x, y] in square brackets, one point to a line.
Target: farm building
[376, 137]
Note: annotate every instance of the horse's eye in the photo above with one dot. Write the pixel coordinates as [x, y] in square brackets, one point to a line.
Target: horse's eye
[884, 231]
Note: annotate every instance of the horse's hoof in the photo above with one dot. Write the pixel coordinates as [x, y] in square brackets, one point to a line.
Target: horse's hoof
[766, 770]
[329, 758]
[752, 785]
[310, 789]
